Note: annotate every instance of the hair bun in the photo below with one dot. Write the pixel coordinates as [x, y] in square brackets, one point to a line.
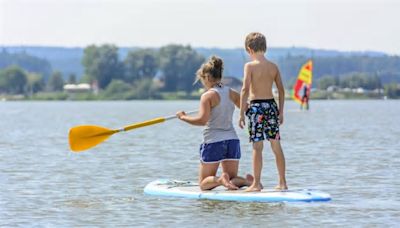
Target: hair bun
[216, 62]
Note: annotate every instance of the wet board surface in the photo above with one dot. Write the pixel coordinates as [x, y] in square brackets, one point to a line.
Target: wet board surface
[191, 190]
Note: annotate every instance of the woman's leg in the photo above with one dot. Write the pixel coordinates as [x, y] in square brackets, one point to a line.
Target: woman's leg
[208, 179]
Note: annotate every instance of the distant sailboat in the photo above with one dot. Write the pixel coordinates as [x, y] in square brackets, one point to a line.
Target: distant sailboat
[302, 87]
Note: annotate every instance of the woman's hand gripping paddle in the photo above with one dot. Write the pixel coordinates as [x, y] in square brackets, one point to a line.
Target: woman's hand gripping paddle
[87, 136]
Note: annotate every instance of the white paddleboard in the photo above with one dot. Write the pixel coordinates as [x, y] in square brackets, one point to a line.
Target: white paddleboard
[191, 190]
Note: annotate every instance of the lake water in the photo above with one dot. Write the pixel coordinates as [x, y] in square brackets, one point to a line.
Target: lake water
[350, 149]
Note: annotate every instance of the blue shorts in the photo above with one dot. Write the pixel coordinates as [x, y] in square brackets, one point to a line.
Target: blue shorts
[220, 151]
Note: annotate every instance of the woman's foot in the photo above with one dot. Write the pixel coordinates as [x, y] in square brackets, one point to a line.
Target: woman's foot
[225, 181]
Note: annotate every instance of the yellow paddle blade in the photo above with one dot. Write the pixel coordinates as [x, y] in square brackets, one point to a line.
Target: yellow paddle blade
[87, 136]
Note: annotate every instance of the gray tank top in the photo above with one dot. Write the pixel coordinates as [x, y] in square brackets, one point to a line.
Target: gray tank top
[219, 127]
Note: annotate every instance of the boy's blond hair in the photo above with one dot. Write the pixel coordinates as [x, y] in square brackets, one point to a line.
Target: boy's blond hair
[256, 42]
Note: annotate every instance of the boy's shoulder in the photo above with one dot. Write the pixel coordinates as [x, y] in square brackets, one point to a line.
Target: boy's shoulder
[267, 63]
[251, 64]
[272, 64]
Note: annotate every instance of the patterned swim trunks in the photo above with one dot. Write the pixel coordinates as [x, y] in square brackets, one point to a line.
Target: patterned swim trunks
[263, 116]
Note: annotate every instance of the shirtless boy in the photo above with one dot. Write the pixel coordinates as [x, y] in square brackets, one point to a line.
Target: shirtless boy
[263, 114]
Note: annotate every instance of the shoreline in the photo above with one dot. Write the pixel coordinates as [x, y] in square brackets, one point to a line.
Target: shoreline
[173, 96]
[10, 99]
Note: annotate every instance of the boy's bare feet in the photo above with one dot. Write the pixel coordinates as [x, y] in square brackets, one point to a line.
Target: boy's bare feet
[281, 187]
[250, 180]
[224, 180]
[253, 188]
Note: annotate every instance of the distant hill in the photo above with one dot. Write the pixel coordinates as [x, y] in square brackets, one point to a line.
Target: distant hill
[234, 59]
[68, 60]
[28, 62]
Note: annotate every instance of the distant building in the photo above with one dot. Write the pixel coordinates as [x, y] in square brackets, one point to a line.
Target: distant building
[378, 91]
[77, 88]
[359, 90]
[332, 88]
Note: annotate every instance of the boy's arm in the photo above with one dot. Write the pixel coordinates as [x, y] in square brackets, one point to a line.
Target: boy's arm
[281, 93]
[204, 112]
[235, 97]
[244, 95]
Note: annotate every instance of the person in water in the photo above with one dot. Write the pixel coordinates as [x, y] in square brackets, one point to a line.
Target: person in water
[220, 142]
[305, 98]
[263, 113]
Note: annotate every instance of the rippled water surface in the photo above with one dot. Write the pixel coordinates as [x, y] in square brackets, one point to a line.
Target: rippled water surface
[350, 149]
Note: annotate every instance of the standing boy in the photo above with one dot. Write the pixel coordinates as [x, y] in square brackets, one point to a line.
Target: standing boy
[263, 114]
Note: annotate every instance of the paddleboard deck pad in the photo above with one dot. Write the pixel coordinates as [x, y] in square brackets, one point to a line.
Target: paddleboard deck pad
[191, 190]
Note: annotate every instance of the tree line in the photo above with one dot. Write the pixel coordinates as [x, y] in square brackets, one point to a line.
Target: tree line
[174, 68]
[379, 72]
[173, 65]
[21, 73]
[352, 81]
[386, 68]
[15, 80]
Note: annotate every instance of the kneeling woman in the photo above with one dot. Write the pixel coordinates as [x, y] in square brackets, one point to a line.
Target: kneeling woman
[220, 142]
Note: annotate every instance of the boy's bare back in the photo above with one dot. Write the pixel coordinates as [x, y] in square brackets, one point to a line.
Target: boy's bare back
[259, 76]
[263, 74]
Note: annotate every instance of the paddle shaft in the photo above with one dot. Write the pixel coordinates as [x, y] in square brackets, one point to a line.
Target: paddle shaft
[151, 122]
[87, 136]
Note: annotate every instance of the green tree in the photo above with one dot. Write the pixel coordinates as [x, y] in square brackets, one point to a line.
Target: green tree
[117, 89]
[326, 81]
[13, 80]
[363, 80]
[179, 64]
[72, 79]
[373, 82]
[56, 82]
[392, 90]
[86, 79]
[140, 64]
[102, 64]
[35, 83]
[144, 89]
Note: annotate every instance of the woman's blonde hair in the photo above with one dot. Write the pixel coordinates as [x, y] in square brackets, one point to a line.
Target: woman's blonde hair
[212, 68]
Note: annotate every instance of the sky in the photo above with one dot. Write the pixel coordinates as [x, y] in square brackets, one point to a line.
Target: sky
[352, 25]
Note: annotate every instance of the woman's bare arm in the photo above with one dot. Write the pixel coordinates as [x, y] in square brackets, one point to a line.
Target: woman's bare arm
[204, 112]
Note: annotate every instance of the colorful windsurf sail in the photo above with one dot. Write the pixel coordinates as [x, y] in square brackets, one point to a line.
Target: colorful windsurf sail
[302, 87]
